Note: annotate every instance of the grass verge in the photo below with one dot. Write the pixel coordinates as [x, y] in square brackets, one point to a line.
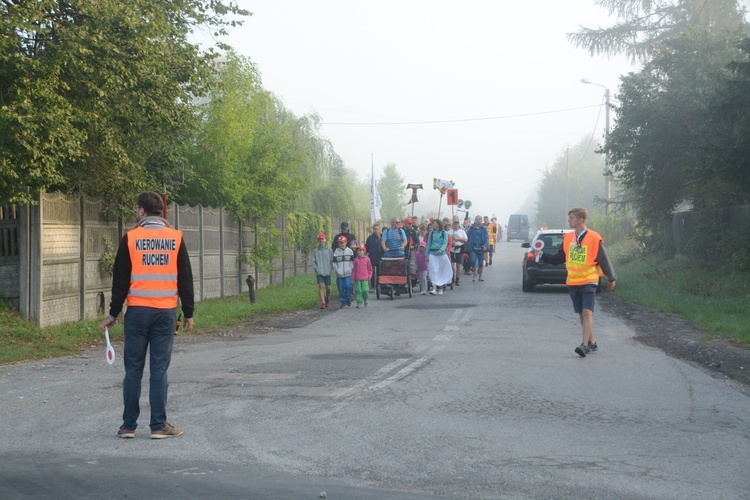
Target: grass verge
[716, 301]
[22, 341]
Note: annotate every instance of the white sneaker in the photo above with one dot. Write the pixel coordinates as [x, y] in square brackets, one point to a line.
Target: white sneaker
[440, 292]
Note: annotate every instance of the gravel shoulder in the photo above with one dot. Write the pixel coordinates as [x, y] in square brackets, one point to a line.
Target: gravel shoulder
[679, 339]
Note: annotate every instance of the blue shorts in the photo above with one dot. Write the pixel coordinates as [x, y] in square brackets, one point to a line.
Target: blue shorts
[583, 297]
[324, 279]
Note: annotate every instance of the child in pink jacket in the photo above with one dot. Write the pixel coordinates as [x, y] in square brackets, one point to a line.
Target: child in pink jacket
[361, 275]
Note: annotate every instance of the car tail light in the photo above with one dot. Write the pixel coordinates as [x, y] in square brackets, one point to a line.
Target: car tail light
[530, 256]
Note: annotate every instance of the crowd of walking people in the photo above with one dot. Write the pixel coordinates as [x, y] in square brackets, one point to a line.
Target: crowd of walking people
[438, 252]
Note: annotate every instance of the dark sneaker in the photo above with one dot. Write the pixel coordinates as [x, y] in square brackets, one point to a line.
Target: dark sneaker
[328, 302]
[458, 283]
[593, 347]
[349, 303]
[582, 350]
[481, 279]
[126, 433]
[169, 431]
[342, 305]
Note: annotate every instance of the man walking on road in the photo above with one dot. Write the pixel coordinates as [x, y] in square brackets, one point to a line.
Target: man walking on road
[478, 244]
[151, 270]
[582, 251]
[374, 251]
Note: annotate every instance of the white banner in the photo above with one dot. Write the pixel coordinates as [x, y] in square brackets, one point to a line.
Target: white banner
[375, 203]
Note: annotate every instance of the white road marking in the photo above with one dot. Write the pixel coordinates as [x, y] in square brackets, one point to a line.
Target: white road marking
[407, 370]
[455, 316]
[443, 338]
[390, 366]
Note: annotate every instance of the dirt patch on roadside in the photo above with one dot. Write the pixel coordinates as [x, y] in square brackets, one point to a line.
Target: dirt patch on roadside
[261, 323]
[679, 339]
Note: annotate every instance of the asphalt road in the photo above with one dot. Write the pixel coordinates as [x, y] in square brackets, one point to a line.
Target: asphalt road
[473, 394]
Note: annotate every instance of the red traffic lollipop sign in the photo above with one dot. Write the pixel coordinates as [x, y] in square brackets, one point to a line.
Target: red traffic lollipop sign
[110, 349]
[538, 245]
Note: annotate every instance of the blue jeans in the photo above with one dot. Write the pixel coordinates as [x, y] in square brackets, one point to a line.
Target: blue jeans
[345, 288]
[144, 327]
[477, 258]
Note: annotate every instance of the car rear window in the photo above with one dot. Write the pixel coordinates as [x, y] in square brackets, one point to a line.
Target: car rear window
[551, 241]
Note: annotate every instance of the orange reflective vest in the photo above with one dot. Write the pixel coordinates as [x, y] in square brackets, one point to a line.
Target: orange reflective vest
[580, 259]
[153, 255]
[493, 232]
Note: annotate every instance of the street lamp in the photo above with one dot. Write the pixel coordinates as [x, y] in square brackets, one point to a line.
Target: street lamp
[607, 189]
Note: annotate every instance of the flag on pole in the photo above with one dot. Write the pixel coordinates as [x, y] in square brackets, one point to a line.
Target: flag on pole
[375, 203]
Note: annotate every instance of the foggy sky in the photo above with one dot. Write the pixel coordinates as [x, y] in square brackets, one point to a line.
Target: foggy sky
[360, 64]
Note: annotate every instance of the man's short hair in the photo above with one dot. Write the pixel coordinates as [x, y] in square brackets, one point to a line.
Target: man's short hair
[344, 224]
[151, 203]
[579, 212]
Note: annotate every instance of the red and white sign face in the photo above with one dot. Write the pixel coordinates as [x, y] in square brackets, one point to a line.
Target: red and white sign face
[538, 245]
[110, 350]
[452, 196]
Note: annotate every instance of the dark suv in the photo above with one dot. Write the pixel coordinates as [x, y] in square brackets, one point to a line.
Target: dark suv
[541, 273]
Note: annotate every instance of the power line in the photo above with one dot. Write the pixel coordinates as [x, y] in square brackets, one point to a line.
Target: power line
[464, 119]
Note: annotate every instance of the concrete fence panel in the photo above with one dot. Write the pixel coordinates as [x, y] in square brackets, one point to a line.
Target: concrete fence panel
[56, 255]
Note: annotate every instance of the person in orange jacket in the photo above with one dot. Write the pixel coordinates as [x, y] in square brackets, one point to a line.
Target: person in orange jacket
[584, 254]
[151, 271]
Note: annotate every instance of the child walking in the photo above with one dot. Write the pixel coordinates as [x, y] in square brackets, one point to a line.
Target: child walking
[322, 262]
[361, 275]
[422, 267]
[343, 262]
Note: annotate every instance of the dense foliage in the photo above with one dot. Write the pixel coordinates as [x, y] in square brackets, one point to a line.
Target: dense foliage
[645, 25]
[680, 139]
[97, 94]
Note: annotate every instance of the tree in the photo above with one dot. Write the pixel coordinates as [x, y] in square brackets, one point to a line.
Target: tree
[392, 189]
[726, 132]
[682, 121]
[96, 94]
[643, 26]
[663, 147]
[252, 155]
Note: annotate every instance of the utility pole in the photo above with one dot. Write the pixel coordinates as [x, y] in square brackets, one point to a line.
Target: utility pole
[607, 186]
